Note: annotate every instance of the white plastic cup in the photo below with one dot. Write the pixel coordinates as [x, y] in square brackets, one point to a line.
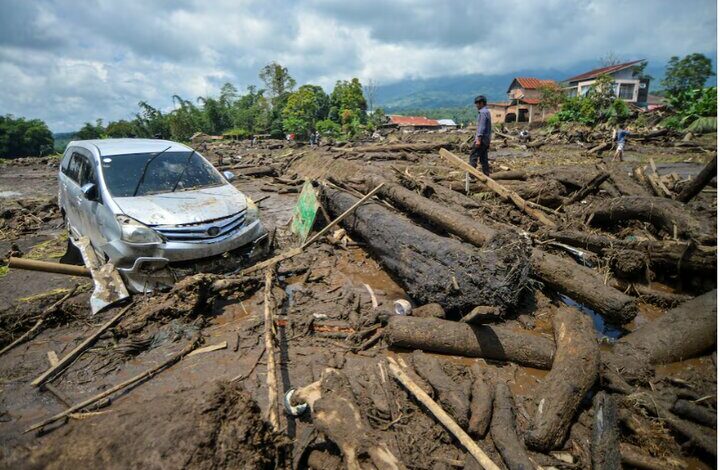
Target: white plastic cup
[402, 307]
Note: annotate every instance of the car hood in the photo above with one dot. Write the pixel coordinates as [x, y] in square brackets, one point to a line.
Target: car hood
[184, 207]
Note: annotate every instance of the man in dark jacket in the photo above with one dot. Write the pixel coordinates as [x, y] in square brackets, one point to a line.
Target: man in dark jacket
[482, 136]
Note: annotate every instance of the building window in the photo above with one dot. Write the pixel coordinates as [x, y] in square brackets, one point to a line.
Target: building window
[627, 91]
[584, 90]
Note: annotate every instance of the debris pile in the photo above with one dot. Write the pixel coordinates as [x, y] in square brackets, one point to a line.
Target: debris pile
[560, 313]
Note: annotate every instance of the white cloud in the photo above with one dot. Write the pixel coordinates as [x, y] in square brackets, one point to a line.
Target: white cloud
[68, 62]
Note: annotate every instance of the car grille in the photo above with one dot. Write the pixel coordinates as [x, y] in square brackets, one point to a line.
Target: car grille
[208, 230]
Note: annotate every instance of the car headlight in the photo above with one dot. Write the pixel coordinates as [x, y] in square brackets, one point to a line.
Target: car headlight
[252, 213]
[133, 231]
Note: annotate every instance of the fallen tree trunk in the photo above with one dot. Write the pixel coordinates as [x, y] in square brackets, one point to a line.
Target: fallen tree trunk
[481, 404]
[573, 373]
[584, 286]
[699, 182]
[454, 222]
[664, 255]
[665, 214]
[546, 192]
[686, 331]
[634, 457]
[497, 343]
[510, 175]
[503, 431]
[454, 397]
[694, 412]
[258, 171]
[605, 444]
[436, 269]
[592, 186]
[624, 183]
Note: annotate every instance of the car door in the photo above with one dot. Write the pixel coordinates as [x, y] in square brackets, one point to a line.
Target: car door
[73, 194]
[93, 213]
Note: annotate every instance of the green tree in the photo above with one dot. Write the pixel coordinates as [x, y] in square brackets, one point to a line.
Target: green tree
[551, 97]
[348, 106]
[151, 122]
[121, 128]
[690, 72]
[304, 108]
[20, 137]
[277, 79]
[90, 131]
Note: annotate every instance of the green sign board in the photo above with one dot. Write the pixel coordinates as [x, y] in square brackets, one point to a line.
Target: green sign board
[305, 212]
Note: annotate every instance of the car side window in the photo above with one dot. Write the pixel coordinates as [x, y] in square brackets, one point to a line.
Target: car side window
[66, 161]
[73, 170]
[86, 174]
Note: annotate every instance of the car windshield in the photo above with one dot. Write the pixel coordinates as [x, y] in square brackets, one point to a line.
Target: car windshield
[123, 172]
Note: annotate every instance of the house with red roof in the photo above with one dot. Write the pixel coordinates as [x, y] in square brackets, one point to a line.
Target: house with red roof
[523, 103]
[629, 83]
[412, 122]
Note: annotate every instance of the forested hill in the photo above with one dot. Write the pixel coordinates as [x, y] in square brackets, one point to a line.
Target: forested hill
[459, 91]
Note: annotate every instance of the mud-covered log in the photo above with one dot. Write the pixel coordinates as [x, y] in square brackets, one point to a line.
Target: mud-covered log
[481, 404]
[592, 186]
[438, 269]
[684, 332]
[634, 457]
[605, 438]
[584, 286]
[665, 255]
[665, 214]
[546, 192]
[694, 412]
[453, 397]
[510, 175]
[503, 431]
[499, 343]
[574, 371]
[401, 147]
[625, 183]
[265, 170]
[693, 188]
[447, 195]
[456, 223]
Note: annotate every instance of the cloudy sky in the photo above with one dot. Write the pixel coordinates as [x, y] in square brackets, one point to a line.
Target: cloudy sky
[68, 61]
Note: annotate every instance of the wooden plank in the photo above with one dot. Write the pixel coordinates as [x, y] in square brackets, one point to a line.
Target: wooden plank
[499, 189]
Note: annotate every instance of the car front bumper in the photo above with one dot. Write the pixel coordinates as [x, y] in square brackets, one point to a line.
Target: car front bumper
[142, 266]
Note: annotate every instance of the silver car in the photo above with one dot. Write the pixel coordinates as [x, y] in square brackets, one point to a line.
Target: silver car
[147, 203]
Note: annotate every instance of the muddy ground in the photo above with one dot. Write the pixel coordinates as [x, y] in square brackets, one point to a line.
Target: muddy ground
[210, 410]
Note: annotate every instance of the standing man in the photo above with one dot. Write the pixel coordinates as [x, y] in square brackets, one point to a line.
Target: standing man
[482, 136]
[619, 136]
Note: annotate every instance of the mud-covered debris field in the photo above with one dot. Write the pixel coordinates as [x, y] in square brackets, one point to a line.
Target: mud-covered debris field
[560, 314]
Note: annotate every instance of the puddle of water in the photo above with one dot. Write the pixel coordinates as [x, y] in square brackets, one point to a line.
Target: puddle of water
[9, 194]
[604, 330]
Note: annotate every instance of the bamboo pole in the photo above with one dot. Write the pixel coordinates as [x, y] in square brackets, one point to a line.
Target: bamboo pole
[442, 416]
[69, 357]
[48, 267]
[499, 189]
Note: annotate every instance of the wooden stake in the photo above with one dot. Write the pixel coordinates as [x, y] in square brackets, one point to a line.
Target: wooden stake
[499, 189]
[270, 348]
[68, 358]
[116, 388]
[48, 267]
[442, 416]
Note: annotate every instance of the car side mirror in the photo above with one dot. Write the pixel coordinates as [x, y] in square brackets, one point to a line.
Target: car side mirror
[90, 191]
[229, 175]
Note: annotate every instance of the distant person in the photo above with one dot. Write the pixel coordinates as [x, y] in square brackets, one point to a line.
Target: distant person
[619, 136]
[482, 136]
[317, 138]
